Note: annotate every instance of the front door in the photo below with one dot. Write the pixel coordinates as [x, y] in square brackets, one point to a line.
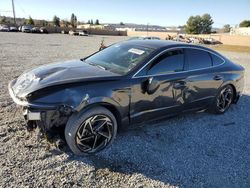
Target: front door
[158, 89]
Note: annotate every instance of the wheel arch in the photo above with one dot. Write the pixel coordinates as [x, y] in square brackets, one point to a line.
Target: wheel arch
[234, 89]
[109, 104]
[111, 108]
[235, 92]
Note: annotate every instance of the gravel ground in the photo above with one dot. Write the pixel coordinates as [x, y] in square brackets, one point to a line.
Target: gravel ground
[191, 150]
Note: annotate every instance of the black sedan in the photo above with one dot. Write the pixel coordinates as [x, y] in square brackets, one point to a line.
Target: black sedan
[125, 84]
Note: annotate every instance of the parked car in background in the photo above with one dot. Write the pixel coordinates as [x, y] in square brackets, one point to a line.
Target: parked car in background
[4, 28]
[151, 38]
[64, 32]
[35, 30]
[13, 29]
[26, 28]
[72, 32]
[145, 38]
[83, 33]
[44, 30]
[211, 41]
[126, 83]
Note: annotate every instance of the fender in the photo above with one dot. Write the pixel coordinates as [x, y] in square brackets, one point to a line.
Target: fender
[234, 79]
[88, 101]
[121, 113]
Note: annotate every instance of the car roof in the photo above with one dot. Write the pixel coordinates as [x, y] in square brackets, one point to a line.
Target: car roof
[163, 44]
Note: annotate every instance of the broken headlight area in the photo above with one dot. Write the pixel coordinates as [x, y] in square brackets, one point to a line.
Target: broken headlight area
[24, 81]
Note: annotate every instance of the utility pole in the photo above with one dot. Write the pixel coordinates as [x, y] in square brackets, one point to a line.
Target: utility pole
[147, 29]
[14, 14]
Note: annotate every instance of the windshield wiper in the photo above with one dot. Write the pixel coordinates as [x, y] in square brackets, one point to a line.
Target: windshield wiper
[100, 66]
[93, 64]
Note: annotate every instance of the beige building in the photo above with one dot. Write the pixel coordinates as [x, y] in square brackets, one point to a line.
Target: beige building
[89, 26]
[240, 31]
[125, 29]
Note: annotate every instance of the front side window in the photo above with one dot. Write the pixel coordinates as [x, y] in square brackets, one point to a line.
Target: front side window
[198, 59]
[169, 62]
[120, 58]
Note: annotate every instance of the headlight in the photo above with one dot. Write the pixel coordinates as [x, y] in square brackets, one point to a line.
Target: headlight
[24, 81]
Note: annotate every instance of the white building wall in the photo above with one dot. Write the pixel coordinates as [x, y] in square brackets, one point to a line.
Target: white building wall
[240, 31]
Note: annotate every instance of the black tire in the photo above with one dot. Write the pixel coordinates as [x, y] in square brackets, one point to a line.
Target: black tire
[97, 125]
[218, 107]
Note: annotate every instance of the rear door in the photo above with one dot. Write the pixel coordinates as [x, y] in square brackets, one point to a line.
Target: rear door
[202, 80]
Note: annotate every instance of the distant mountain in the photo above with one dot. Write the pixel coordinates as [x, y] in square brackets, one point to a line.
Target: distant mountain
[133, 25]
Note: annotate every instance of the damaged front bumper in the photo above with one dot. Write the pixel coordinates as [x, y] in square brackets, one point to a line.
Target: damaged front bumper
[44, 115]
[25, 103]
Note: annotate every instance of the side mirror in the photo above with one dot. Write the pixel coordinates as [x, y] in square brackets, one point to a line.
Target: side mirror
[152, 85]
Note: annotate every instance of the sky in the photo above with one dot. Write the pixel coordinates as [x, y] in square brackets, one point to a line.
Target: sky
[156, 12]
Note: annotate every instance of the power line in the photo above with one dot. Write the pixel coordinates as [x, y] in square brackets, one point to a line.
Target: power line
[4, 11]
[19, 6]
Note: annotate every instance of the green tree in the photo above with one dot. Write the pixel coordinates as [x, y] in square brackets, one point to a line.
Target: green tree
[56, 21]
[73, 20]
[91, 22]
[97, 22]
[121, 23]
[245, 23]
[30, 21]
[88, 22]
[226, 28]
[199, 24]
[3, 20]
[193, 25]
[65, 23]
[207, 23]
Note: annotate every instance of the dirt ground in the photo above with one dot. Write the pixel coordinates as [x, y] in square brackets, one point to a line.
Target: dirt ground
[191, 150]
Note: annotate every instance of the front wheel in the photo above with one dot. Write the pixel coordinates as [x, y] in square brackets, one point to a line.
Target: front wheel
[90, 131]
[223, 100]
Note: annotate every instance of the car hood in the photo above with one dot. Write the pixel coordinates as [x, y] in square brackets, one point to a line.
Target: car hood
[56, 74]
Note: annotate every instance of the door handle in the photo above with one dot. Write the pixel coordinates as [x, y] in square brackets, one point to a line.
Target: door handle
[179, 85]
[218, 77]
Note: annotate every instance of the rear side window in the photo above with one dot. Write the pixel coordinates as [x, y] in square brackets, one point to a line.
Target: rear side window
[216, 60]
[171, 61]
[198, 59]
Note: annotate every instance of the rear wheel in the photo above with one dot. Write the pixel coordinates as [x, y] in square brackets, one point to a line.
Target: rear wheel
[223, 100]
[91, 131]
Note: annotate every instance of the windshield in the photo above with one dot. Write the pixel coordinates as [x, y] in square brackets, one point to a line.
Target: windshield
[120, 58]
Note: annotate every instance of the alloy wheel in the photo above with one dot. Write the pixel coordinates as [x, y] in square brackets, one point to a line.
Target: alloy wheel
[94, 133]
[224, 99]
